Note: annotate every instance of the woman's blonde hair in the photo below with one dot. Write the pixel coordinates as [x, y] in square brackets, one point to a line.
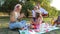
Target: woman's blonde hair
[17, 6]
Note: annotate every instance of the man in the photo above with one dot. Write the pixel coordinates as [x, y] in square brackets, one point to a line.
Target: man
[43, 11]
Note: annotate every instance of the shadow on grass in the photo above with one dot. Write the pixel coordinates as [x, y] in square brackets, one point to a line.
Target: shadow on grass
[8, 31]
[54, 32]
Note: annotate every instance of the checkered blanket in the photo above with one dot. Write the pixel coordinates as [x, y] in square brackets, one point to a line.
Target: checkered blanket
[42, 30]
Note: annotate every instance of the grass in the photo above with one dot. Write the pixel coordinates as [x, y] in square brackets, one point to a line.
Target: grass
[4, 21]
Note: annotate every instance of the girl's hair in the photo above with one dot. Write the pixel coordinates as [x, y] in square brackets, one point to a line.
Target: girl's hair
[36, 7]
[37, 15]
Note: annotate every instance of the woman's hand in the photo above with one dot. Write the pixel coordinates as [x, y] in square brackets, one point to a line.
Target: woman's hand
[22, 15]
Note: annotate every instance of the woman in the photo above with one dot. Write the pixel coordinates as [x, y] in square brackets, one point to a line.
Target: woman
[15, 16]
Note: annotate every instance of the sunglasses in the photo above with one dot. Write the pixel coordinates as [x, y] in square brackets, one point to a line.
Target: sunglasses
[17, 7]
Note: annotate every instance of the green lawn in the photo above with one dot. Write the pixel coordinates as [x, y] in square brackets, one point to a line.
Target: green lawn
[4, 21]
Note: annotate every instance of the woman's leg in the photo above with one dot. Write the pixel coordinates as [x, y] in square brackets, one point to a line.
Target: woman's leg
[12, 25]
[22, 24]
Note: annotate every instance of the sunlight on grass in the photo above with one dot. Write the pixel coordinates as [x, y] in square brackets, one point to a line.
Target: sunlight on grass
[5, 25]
[47, 19]
[0, 25]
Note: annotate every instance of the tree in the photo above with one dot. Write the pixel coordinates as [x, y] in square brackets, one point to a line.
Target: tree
[27, 6]
[58, 12]
[8, 6]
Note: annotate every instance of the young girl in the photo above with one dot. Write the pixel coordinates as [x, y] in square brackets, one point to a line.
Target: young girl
[37, 19]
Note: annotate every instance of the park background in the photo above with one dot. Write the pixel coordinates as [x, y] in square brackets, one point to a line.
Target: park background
[6, 6]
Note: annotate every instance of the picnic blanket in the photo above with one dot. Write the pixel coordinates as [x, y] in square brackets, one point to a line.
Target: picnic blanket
[43, 29]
